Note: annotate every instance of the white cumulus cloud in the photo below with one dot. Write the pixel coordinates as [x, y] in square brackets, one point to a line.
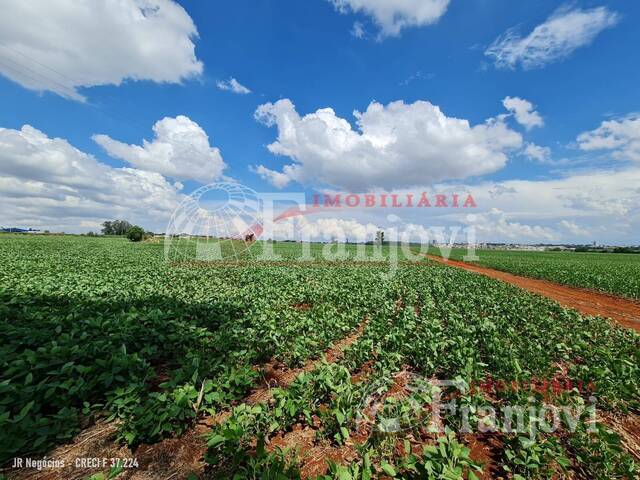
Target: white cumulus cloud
[232, 85]
[326, 229]
[573, 228]
[60, 45]
[622, 137]
[46, 182]
[524, 112]
[498, 190]
[566, 30]
[179, 150]
[496, 224]
[358, 30]
[394, 15]
[354, 230]
[277, 179]
[537, 153]
[395, 145]
[602, 202]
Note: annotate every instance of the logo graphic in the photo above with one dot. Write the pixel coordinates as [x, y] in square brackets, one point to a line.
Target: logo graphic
[216, 228]
[223, 221]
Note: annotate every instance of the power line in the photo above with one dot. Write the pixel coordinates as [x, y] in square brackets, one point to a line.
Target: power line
[47, 80]
[36, 61]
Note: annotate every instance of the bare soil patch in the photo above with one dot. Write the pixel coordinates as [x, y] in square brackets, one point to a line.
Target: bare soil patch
[628, 427]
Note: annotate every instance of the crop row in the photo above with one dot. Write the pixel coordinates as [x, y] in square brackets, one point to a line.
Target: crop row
[615, 273]
[441, 323]
[102, 327]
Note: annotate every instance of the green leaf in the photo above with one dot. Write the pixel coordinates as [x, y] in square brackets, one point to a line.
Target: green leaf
[343, 473]
[388, 468]
[431, 449]
[24, 411]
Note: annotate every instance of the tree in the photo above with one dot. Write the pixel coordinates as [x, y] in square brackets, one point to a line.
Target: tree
[115, 227]
[135, 233]
[121, 227]
[107, 228]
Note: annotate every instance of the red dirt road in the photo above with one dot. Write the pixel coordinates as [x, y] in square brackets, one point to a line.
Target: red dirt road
[625, 312]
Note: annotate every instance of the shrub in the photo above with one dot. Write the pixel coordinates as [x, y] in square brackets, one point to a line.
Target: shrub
[135, 233]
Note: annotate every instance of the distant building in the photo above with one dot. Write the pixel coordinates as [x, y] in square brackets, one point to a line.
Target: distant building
[17, 230]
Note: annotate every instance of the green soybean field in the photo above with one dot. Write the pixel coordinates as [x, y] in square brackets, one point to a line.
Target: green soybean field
[325, 369]
[615, 273]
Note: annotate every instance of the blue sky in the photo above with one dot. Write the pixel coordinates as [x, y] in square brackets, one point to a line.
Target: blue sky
[307, 53]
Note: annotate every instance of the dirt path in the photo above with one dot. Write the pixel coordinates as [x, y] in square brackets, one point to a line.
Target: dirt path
[625, 312]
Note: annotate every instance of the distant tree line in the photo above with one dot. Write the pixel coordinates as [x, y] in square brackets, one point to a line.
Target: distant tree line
[607, 250]
[134, 233]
